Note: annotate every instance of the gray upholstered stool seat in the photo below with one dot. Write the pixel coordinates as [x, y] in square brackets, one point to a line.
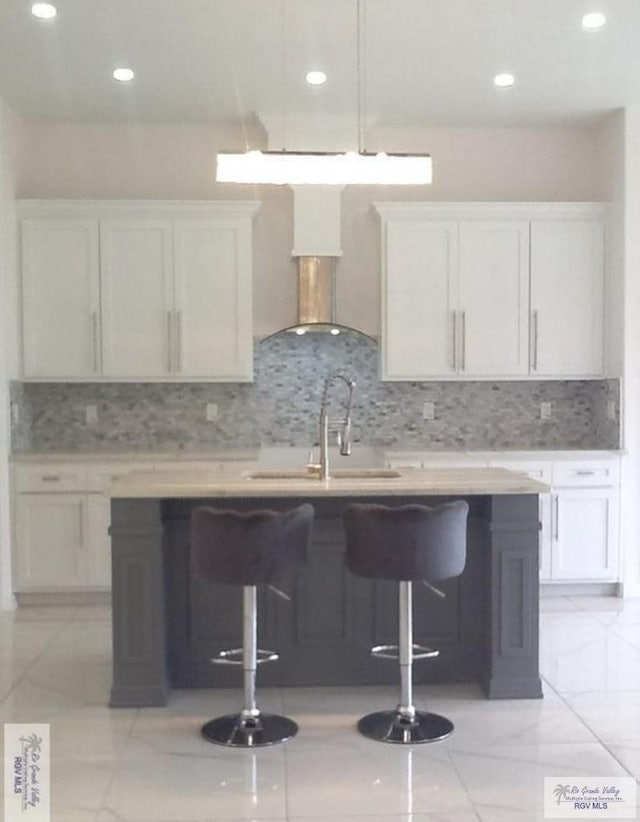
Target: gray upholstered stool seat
[248, 549]
[406, 543]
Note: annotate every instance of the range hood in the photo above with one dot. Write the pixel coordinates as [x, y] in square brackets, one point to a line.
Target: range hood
[316, 249]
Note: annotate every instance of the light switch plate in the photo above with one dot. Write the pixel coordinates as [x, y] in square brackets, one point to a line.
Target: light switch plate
[545, 410]
[211, 412]
[91, 414]
[611, 409]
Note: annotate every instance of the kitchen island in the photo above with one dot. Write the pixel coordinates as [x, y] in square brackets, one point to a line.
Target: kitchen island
[167, 625]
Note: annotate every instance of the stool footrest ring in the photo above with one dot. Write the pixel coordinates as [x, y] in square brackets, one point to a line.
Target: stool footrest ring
[391, 652]
[235, 656]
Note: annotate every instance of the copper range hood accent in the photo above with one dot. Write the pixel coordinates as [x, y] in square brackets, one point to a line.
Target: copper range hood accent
[316, 290]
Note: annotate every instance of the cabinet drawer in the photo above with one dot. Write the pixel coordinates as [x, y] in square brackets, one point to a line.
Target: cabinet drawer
[50, 478]
[540, 471]
[575, 474]
[100, 476]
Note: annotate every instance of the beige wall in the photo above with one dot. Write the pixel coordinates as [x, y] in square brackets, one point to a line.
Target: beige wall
[630, 514]
[177, 162]
[611, 151]
[9, 143]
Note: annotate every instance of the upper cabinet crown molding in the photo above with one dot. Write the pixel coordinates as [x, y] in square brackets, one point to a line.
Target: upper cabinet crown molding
[489, 210]
[136, 208]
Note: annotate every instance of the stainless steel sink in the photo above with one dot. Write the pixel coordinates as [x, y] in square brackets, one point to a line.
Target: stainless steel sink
[337, 473]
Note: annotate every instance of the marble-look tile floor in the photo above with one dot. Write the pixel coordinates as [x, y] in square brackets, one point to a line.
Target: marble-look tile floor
[150, 765]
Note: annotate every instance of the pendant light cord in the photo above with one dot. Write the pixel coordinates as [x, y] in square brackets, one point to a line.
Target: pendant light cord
[360, 73]
[283, 94]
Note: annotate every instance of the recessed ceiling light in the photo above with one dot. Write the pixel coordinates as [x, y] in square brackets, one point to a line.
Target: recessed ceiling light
[504, 80]
[316, 78]
[123, 75]
[593, 21]
[44, 11]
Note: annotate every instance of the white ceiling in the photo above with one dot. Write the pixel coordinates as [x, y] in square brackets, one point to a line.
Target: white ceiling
[424, 62]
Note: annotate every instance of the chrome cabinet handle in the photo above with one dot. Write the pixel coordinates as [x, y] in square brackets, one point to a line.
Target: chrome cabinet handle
[455, 339]
[534, 360]
[178, 340]
[583, 472]
[464, 340]
[50, 478]
[169, 342]
[94, 324]
[556, 503]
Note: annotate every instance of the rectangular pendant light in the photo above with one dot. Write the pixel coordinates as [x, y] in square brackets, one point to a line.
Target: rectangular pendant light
[317, 168]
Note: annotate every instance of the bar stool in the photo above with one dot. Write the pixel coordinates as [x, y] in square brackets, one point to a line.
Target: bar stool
[248, 549]
[406, 543]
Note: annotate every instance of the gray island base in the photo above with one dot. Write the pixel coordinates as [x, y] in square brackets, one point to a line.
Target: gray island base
[167, 625]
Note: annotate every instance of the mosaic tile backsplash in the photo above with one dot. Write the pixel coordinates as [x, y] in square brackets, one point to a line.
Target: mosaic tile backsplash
[281, 407]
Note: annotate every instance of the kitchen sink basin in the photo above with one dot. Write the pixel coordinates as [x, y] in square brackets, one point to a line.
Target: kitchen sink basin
[337, 473]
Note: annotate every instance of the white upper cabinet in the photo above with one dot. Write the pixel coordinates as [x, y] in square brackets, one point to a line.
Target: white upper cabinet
[213, 308]
[419, 299]
[567, 282]
[60, 298]
[137, 297]
[491, 290]
[137, 291]
[493, 275]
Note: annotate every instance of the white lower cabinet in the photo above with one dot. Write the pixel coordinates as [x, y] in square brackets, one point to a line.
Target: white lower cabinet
[51, 536]
[585, 534]
[61, 531]
[62, 518]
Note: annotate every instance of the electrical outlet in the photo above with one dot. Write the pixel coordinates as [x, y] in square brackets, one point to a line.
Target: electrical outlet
[611, 409]
[91, 414]
[428, 410]
[545, 410]
[211, 412]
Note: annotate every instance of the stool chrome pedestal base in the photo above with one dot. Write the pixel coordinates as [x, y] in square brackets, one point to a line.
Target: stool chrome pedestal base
[235, 731]
[392, 726]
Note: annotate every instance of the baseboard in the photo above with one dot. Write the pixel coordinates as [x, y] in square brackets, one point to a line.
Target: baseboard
[34, 598]
[580, 589]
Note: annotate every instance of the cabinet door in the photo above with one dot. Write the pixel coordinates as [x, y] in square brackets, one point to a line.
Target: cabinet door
[138, 323]
[213, 277]
[494, 297]
[585, 534]
[567, 273]
[419, 298]
[98, 541]
[50, 542]
[60, 271]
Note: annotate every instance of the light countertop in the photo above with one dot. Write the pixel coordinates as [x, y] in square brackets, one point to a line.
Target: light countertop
[410, 482]
[291, 457]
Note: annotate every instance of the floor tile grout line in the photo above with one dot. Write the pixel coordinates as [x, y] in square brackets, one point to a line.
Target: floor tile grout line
[562, 697]
[30, 665]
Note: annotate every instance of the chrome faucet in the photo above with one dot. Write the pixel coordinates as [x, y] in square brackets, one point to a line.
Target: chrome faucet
[342, 428]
